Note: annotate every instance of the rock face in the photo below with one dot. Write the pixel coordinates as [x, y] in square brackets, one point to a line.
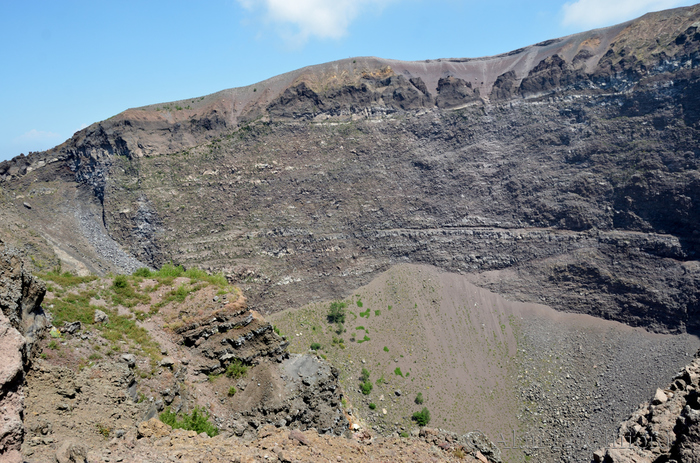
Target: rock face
[667, 428]
[21, 322]
[226, 336]
[297, 391]
[563, 172]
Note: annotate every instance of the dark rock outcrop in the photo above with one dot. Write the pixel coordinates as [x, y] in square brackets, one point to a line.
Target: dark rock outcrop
[454, 92]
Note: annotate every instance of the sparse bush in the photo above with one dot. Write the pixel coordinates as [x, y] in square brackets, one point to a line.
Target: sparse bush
[315, 346]
[336, 312]
[236, 369]
[231, 391]
[364, 376]
[422, 417]
[403, 434]
[104, 430]
[197, 421]
[419, 398]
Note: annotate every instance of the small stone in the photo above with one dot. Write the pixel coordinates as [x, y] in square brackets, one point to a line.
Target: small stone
[398, 392]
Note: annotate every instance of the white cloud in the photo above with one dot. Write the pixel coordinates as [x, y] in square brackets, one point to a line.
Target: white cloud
[37, 136]
[597, 13]
[299, 20]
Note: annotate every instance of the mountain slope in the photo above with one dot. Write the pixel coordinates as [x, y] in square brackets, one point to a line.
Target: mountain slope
[564, 172]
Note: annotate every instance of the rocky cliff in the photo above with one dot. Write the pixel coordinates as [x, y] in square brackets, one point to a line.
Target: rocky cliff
[563, 172]
[21, 322]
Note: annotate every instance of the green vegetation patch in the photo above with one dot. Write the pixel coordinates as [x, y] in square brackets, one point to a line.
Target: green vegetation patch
[197, 421]
[65, 279]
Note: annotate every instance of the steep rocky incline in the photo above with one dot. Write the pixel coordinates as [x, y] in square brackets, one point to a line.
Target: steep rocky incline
[667, 428]
[21, 322]
[564, 172]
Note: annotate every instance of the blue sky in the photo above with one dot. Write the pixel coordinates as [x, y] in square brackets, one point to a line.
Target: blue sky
[71, 63]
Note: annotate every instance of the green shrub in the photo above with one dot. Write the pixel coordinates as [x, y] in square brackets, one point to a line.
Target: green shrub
[236, 369]
[365, 339]
[419, 398]
[366, 387]
[143, 272]
[422, 417]
[403, 434]
[377, 312]
[359, 303]
[372, 406]
[120, 282]
[231, 391]
[169, 270]
[397, 372]
[315, 346]
[197, 421]
[53, 345]
[336, 312]
[386, 349]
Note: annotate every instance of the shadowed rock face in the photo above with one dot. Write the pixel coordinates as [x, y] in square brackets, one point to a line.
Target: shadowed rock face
[564, 172]
[454, 92]
[21, 321]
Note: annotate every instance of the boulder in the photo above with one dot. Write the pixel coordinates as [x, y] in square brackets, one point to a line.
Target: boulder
[101, 317]
[153, 428]
[71, 452]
